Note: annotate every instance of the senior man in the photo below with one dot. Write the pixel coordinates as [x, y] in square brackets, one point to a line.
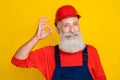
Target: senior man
[71, 59]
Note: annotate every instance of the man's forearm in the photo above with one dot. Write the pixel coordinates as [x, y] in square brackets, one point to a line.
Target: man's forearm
[23, 51]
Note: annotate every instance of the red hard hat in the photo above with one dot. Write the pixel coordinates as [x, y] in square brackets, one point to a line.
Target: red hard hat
[65, 11]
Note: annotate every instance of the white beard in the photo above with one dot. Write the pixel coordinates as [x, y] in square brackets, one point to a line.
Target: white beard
[71, 45]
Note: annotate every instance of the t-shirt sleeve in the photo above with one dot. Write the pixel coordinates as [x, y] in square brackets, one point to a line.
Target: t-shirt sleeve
[97, 69]
[38, 59]
[34, 59]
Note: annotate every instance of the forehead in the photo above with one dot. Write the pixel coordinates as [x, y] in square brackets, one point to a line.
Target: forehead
[69, 19]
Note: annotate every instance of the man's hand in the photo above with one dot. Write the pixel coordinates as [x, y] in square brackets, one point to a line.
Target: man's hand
[41, 31]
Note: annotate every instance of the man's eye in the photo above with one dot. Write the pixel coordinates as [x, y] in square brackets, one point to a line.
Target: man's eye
[66, 25]
[75, 23]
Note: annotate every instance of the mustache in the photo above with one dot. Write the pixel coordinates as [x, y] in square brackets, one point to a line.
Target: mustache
[71, 33]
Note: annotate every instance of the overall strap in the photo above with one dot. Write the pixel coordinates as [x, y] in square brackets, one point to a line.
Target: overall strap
[56, 75]
[57, 55]
[85, 55]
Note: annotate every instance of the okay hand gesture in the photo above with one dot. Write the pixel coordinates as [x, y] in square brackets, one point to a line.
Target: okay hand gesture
[43, 29]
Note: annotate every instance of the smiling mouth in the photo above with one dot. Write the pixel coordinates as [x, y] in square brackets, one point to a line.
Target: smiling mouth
[72, 36]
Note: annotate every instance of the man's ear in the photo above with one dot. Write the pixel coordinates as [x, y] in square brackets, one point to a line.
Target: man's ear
[58, 30]
[58, 27]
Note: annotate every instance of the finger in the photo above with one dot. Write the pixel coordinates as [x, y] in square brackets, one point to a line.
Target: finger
[47, 26]
[41, 20]
[44, 19]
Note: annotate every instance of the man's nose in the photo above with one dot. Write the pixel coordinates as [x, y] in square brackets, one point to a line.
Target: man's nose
[72, 29]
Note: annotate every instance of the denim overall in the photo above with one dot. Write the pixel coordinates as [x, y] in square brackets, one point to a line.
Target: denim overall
[73, 72]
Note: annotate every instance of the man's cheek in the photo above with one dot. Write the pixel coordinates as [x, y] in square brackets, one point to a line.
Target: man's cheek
[76, 28]
[65, 31]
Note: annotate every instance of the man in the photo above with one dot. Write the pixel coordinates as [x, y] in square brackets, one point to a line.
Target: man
[72, 59]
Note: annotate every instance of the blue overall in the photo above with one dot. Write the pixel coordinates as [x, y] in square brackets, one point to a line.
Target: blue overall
[74, 72]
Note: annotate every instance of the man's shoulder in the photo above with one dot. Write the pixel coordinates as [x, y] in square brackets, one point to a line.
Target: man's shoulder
[91, 48]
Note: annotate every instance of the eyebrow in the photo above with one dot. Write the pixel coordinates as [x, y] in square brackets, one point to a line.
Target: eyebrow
[72, 23]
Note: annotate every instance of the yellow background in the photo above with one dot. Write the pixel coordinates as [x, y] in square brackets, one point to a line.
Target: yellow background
[99, 27]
